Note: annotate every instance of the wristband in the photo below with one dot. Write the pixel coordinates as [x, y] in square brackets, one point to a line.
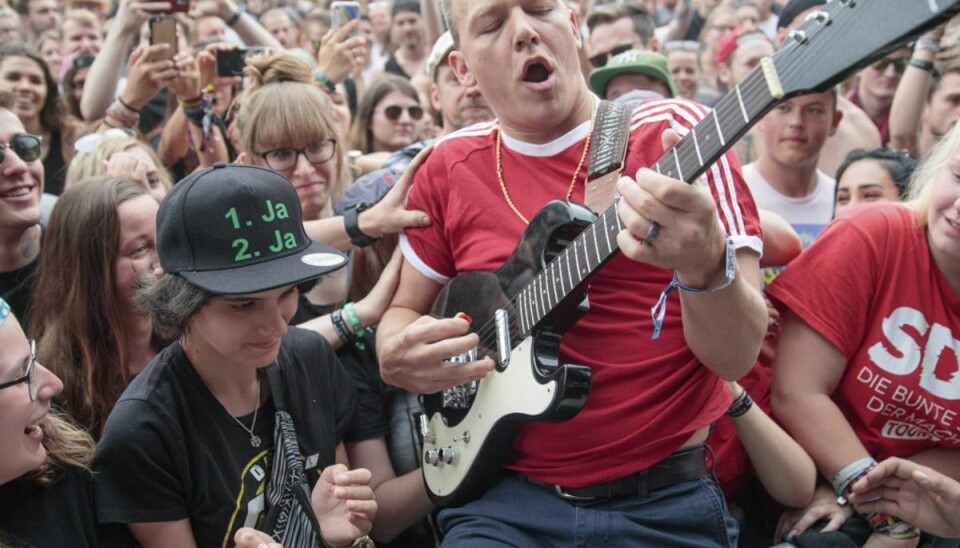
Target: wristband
[241, 9]
[336, 318]
[659, 310]
[848, 475]
[187, 104]
[125, 121]
[740, 407]
[921, 64]
[126, 106]
[353, 320]
[927, 44]
[351, 221]
[321, 78]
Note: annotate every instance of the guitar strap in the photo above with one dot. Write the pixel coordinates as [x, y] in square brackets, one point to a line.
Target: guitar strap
[607, 154]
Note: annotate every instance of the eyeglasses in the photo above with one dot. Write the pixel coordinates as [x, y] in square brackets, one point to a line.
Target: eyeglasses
[899, 64]
[681, 45]
[601, 59]
[28, 377]
[284, 159]
[393, 112]
[27, 147]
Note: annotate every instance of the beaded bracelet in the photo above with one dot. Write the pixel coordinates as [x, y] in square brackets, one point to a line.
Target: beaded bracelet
[741, 405]
[126, 121]
[350, 314]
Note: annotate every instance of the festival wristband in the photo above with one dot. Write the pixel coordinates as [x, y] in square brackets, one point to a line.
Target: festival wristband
[353, 320]
[740, 406]
[659, 310]
[343, 332]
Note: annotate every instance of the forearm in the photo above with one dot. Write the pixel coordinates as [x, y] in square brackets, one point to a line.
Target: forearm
[173, 141]
[725, 328]
[104, 75]
[250, 31]
[908, 104]
[815, 421]
[401, 502]
[783, 467]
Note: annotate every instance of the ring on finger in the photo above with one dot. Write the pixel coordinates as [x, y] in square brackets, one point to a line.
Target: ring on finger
[652, 233]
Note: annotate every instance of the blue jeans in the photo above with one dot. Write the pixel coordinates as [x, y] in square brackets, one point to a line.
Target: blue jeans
[515, 512]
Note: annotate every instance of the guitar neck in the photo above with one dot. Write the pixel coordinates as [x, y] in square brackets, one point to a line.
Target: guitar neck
[687, 160]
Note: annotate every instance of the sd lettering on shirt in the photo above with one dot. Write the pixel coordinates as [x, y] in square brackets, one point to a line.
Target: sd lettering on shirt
[278, 241]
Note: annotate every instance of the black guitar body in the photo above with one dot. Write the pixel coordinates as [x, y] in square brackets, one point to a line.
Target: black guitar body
[480, 295]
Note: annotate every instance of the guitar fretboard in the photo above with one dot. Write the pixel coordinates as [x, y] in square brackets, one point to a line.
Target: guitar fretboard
[687, 160]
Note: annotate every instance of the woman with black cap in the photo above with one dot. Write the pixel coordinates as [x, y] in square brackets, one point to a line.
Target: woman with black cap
[234, 423]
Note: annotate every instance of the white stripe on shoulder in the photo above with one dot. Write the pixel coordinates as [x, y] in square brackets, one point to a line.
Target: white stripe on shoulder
[476, 130]
[720, 175]
[411, 257]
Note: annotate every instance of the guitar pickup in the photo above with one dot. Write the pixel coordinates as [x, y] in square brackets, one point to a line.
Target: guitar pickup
[504, 347]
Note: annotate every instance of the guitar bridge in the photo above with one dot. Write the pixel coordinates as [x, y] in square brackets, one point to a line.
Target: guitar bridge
[460, 396]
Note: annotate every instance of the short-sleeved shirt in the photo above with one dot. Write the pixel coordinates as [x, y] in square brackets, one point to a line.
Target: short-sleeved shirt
[647, 396]
[870, 287]
[38, 516]
[170, 450]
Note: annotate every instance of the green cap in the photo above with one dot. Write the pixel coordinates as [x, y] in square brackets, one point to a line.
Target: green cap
[633, 61]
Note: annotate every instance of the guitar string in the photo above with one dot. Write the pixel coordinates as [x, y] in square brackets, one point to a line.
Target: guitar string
[754, 89]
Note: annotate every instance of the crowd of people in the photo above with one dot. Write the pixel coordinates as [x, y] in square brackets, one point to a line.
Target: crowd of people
[220, 288]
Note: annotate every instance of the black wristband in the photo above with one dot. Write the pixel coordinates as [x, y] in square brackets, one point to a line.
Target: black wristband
[241, 9]
[921, 64]
[741, 406]
[336, 318]
[351, 221]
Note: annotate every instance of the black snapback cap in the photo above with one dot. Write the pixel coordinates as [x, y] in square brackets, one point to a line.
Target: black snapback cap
[234, 229]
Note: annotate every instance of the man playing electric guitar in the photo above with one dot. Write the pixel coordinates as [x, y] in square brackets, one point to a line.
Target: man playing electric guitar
[633, 455]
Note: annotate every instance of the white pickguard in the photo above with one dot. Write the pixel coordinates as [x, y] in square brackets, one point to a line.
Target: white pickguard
[515, 391]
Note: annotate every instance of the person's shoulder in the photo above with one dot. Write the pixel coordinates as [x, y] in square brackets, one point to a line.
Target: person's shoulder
[662, 110]
[470, 137]
[876, 215]
[159, 375]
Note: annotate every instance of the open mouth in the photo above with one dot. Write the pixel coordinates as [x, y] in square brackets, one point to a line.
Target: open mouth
[536, 72]
[16, 192]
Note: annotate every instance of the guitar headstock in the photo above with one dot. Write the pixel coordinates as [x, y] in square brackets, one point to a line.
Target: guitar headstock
[846, 35]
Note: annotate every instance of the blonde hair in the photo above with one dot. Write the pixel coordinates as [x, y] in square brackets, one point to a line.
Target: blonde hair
[922, 182]
[281, 106]
[90, 164]
[67, 447]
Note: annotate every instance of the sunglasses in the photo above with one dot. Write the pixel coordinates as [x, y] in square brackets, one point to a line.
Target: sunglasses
[28, 377]
[393, 112]
[601, 59]
[27, 147]
[899, 64]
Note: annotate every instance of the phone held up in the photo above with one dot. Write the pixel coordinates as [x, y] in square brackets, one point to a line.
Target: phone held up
[163, 30]
[179, 6]
[343, 12]
[231, 62]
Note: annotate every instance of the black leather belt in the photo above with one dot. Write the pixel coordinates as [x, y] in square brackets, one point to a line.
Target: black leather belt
[682, 466]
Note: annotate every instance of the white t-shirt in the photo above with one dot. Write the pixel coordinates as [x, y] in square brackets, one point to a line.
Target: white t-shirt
[808, 214]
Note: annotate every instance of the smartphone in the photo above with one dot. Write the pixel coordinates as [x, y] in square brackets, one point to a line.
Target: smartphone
[179, 6]
[344, 12]
[163, 30]
[230, 62]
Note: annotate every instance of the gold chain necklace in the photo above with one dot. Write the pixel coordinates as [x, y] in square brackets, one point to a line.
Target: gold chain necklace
[573, 182]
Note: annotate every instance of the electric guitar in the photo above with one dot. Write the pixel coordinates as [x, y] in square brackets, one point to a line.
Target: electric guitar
[521, 310]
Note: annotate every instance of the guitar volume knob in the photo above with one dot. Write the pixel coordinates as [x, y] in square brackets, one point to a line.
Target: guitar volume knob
[432, 457]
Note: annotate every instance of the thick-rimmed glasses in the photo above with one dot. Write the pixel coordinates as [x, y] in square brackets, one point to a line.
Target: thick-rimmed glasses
[284, 159]
[29, 376]
[27, 147]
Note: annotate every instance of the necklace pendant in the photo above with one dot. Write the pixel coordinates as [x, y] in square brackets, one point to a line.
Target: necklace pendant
[254, 441]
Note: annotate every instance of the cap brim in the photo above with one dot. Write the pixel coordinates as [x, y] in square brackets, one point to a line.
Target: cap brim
[313, 262]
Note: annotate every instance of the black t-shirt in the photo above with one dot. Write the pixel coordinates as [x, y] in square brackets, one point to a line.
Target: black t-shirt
[170, 450]
[62, 514]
